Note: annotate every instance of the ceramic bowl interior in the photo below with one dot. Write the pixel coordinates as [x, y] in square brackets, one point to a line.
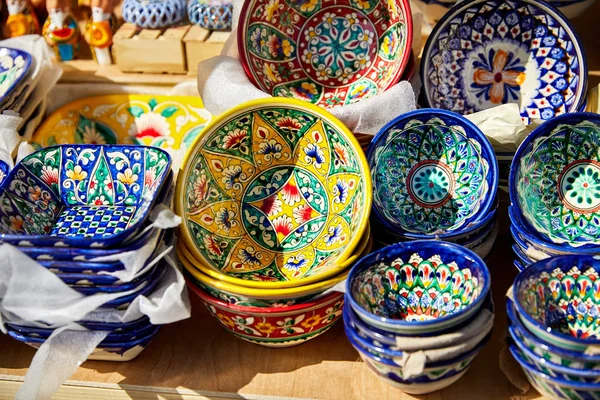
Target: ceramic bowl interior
[419, 281]
[329, 53]
[561, 296]
[275, 189]
[82, 196]
[555, 185]
[432, 171]
[485, 53]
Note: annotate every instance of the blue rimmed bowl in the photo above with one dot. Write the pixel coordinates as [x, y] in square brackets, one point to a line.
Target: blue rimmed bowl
[486, 53]
[555, 388]
[433, 171]
[418, 287]
[14, 69]
[435, 376]
[550, 352]
[558, 300]
[554, 182]
[89, 196]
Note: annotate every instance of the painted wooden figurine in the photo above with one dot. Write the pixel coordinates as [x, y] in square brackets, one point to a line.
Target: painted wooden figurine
[60, 30]
[98, 31]
[21, 19]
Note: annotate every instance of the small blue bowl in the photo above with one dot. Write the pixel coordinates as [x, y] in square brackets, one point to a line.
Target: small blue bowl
[555, 388]
[216, 16]
[386, 288]
[433, 171]
[153, 14]
[556, 354]
[557, 299]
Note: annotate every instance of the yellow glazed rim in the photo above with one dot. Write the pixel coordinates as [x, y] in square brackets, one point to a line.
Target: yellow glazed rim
[359, 252]
[298, 291]
[258, 104]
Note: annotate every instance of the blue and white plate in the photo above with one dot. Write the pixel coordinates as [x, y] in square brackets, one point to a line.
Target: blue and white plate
[14, 68]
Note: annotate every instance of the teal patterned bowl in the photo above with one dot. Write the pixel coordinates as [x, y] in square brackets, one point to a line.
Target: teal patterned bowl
[433, 172]
[555, 180]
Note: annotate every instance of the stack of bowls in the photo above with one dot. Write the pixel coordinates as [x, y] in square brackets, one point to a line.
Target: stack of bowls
[75, 209]
[275, 196]
[554, 326]
[554, 190]
[434, 177]
[415, 296]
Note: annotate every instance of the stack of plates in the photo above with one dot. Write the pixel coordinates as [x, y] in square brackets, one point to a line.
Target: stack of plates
[422, 296]
[554, 190]
[434, 176]
[71, 208]
[15, 88]
[275, 196]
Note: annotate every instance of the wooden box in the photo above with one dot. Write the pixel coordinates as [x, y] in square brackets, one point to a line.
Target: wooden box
[150, 50]
[202, 44]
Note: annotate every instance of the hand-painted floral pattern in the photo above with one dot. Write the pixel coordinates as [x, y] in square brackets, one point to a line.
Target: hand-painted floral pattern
[273, 171]
[494, 52]
[168, 122]
[79, 192]
[315, 50]
[14, 65]
[416, 289]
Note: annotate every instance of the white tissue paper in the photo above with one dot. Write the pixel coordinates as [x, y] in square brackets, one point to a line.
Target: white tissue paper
[223, 84]
[46, 71]
[9, 136]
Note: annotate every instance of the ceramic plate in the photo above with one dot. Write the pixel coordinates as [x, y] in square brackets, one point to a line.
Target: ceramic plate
[169, 122]
[486, 53]
[326, 52]
[14, 66]
[274, 189]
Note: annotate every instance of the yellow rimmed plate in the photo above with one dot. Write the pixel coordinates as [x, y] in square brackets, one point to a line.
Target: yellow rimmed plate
[169, 122]
[274, 189]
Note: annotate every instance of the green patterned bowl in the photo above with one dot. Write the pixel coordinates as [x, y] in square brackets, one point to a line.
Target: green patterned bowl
[433, 172]
[558, 300]
[275, 190]
[555, 180]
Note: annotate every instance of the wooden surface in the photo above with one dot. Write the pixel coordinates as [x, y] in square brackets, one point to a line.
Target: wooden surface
[197, 358]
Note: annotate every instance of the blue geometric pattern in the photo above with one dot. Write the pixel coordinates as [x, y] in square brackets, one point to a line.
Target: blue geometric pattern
[214, 17]
[153, 14]
[540, 60]
[95, 221]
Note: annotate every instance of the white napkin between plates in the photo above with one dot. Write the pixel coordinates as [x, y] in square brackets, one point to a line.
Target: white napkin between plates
[9, 136]
[223, 84]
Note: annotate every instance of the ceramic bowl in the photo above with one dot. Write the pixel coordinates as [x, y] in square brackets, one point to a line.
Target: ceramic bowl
[436, 376]
[81, 195]
[245, 296]
[144, 289]
[553, 186]
[169, 122]
[548, 351]
[153, 14]
[109, 351]
[14, 68]
[432, 171]
[87, 288]
[113, 337]
[213, 15]
[274, 188]
[418, 287]
[273, 282]
[329, 53]
[277, 326]
[555, 388]
[557, 300]
[485, 53]
[556, 370]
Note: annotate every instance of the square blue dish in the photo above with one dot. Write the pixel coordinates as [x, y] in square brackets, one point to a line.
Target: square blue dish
[14, 68]
[87, 196]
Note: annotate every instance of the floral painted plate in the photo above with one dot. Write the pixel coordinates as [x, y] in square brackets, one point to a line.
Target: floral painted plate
[555, 180]
[486, 53]
[168, 122]
[274, 189]
[14, 67]
[433, 172]
[326, 52]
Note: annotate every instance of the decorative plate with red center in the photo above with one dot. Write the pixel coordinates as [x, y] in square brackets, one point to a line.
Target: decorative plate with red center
[326, 52]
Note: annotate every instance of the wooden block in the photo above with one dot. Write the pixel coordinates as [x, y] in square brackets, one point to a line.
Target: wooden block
[202, 44]
[150, 50]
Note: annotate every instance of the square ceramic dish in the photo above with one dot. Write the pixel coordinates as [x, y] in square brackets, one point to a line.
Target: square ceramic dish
[88, 196]
[14, 68]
